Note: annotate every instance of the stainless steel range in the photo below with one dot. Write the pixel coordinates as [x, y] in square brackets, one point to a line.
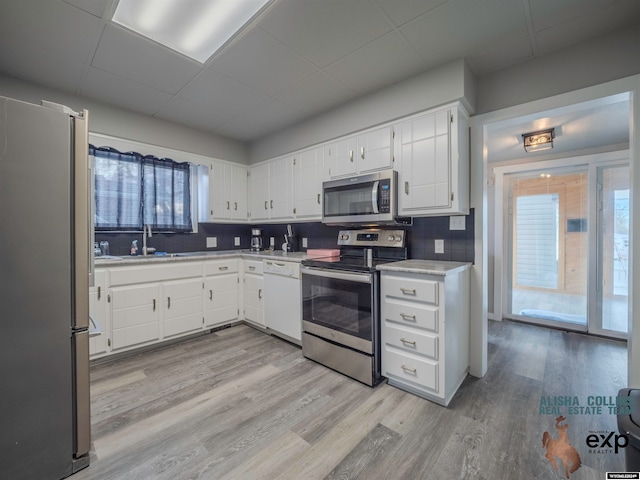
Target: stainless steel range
[341, 304]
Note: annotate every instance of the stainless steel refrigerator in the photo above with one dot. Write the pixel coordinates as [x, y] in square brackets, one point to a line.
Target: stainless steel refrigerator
[45, 261]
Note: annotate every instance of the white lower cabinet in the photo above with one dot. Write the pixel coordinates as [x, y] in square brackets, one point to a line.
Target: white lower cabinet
[182, 307]
[135, 315]
[425, 332]
[253, 292]
[221, 293]
[99, 338]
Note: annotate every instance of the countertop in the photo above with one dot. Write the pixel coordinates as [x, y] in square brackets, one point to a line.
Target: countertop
[113, 261]
[428, 267]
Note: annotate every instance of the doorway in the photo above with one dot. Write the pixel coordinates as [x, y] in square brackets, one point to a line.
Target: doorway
[566, 241]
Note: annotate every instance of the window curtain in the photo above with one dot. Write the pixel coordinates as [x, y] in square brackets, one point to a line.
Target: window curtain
[132, 190]
[118, 189]
[167, 196]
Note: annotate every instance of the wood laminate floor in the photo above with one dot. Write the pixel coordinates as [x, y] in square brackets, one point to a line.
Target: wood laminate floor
[239, 404]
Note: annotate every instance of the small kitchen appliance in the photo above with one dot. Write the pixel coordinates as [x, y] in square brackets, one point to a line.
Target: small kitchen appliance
[341, 302]
[256, 240]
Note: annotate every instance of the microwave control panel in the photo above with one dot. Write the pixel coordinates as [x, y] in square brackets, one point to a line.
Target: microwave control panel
[384, 196]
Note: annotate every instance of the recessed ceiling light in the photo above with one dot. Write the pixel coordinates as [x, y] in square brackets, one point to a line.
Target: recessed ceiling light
[195, 28]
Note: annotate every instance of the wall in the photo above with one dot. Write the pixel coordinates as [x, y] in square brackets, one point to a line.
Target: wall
[459, 244]
[590, 63]
[126, 124]
[439, 86]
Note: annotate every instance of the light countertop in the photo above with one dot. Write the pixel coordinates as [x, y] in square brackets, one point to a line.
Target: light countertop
[427, 267]
[113, 261]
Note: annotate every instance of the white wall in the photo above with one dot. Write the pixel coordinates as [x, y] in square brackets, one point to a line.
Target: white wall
[598, 61]
[121, 123]
[445, 84]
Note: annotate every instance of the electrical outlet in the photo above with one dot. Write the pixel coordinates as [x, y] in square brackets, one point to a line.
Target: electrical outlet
[212, 242]
[457, 222]
[439, 244]
[272, 242]
[304, 242]
[236, 241]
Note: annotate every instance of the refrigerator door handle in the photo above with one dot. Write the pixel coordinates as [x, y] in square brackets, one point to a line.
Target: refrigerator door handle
[82, 413]
[82, 220]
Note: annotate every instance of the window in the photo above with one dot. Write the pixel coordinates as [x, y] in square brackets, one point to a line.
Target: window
[132, 190]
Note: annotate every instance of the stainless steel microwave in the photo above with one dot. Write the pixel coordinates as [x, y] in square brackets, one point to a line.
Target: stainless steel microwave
[363, 199]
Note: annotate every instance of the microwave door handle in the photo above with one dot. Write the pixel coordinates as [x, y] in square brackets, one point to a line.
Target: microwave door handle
[374, 196]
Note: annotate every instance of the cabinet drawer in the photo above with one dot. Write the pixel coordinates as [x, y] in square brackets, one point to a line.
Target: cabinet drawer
[410, 314]
[410, 289]
[411, 341]
[253, 266]
[221, 266]
[410, 369]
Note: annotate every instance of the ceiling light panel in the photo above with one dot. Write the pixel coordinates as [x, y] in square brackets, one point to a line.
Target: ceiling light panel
[195, 28]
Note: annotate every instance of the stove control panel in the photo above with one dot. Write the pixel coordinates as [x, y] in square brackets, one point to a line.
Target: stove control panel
[372, 237]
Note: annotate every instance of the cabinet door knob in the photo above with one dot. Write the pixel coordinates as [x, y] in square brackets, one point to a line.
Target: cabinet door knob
[272, 204]
[168, 302]
[235, 205]
[154, 304]
[318, 199]
[362, 153]
[210, 294]
[228, 205]
[265, 205]
[260, 293]
[351, 155]
[99, 292]
[406, 188]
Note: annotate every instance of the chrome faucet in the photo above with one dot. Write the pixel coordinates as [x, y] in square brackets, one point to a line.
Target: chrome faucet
[145, 229]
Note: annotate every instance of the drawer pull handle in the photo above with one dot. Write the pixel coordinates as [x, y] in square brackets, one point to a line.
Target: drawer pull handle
[252, 268]
[408, 317]
[408, 291]
[408, 369]
[408, 342]
[223, 268]
[210, 294]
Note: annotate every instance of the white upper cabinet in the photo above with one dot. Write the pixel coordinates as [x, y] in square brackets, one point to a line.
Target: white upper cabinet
[307, 184]
[433, 163]
[366, 152]
[227, 192]
[271, 187]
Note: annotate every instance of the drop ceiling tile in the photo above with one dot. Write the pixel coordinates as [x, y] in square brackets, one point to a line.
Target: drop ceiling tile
[316, 94]
[401, 12]
[220, 92]
[54, 26]
[501, 57]
[587, 27]
[132, 56]
[40, 66]
[263, 119]
[193, 114]
[550, 13]
[327, 30]
[94, 7]
[363, 71]
[460, 28]
[123, 92]
[262, 62]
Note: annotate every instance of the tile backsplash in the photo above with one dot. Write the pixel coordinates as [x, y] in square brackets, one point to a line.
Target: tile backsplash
[458, 244]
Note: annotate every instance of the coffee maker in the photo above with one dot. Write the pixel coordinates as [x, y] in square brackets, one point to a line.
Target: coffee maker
[256, 240]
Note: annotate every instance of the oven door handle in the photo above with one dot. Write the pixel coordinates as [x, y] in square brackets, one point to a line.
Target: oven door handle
[330, 273]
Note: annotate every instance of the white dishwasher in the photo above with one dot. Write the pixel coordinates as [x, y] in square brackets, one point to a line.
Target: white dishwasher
[282, 299]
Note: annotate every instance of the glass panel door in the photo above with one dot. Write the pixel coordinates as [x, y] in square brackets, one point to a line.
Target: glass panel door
[612, 316]
[549, 248]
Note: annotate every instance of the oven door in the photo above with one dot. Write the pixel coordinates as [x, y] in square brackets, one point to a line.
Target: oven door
[340, 307]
